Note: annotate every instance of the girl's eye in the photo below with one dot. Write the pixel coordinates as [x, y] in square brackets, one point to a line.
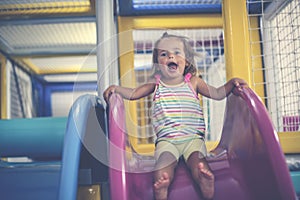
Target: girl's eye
[163, 54]
[177, 52]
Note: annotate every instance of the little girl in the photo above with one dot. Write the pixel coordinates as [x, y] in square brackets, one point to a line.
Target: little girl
[177, 115]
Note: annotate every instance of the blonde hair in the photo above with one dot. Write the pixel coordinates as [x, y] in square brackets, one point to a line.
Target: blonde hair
[188, 50]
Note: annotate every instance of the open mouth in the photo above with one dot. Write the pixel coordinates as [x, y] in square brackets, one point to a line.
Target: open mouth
[172, 66]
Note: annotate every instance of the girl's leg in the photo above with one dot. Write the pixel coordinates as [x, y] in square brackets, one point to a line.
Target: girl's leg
[163, 175]
[201, 174]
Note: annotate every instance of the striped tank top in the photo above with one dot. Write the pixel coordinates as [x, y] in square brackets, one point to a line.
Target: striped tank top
[177, 113]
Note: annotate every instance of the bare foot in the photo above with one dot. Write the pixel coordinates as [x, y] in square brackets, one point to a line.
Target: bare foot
[161, 187]
[206, 181]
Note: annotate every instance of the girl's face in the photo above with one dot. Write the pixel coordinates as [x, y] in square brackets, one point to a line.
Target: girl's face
[171, 58]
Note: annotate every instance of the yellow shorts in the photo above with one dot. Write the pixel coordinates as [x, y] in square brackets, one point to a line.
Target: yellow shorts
[184, 149]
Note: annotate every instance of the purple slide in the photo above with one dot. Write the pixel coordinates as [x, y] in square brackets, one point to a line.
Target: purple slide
[248, 162]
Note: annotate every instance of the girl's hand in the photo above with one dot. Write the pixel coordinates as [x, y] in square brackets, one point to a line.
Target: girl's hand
[238, 85]
[108, 92]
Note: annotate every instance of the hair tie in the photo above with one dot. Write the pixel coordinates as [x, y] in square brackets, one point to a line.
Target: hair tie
[187, 77]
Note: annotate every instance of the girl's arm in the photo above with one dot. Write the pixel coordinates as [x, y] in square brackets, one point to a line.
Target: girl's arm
[130, 93]
[220, 92]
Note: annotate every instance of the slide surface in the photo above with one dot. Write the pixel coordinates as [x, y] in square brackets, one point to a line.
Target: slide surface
[248, 162]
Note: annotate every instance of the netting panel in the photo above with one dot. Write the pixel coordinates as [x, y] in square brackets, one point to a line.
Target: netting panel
[280, 33]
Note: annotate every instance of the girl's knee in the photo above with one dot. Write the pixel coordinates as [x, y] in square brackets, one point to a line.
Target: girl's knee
[166, 160]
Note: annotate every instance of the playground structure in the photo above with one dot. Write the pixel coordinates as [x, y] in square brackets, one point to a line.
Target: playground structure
[71, 153]
[248, 163]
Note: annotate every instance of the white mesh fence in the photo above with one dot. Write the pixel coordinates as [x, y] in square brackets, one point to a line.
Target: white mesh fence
[280, 43]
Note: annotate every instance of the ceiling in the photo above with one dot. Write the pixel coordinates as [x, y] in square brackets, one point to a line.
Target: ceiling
[49, 36]
[59, 36]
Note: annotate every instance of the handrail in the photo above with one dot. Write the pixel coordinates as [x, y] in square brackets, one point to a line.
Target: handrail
[253, 136]
[117, 149]
[266, 127]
